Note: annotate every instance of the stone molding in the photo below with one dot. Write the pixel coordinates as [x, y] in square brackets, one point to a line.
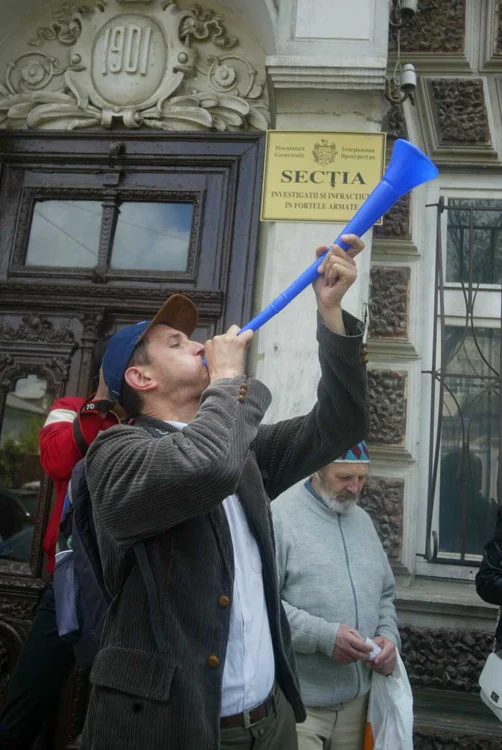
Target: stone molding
[491, 41]
[391, 349]
[389, 250]
[297, 72]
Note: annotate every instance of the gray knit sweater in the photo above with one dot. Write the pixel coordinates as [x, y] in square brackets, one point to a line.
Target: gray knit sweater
[332, 570]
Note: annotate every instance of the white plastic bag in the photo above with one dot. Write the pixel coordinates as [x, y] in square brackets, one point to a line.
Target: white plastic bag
[490, 682]
[390, 711]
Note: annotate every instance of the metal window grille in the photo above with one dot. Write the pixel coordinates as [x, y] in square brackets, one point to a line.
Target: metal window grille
[466, 414]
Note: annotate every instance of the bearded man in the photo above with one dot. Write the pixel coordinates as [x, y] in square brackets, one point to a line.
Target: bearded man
[337, 588]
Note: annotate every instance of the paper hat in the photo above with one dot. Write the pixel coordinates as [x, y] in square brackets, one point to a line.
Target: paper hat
[358, 454]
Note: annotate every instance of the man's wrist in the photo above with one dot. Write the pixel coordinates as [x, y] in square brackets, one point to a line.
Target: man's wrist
[333, 318]
[226, 374]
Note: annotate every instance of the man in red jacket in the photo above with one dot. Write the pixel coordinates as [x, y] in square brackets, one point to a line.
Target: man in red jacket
[45, 660]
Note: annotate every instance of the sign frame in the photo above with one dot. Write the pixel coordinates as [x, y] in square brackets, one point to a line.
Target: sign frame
[265, 214]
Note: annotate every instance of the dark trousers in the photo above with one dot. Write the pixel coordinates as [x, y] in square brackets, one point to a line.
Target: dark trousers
[276, 732]
[35, 685]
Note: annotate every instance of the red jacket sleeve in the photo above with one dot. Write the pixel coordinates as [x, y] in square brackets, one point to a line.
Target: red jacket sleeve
[58, 450]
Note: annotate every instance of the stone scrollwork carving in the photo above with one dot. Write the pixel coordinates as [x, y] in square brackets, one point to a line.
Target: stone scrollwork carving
[65, 28]
[131, 67]
[206, 24]
[54, 370]
[34, 327]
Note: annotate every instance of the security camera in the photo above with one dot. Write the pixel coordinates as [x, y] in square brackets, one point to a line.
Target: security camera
[408, 8]
[408, 79]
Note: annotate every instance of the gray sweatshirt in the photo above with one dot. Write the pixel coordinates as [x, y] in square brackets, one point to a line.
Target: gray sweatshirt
[332, 570]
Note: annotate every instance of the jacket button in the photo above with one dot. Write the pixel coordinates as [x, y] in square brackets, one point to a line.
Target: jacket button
[213, 661]
[223, 600]
[241, 397]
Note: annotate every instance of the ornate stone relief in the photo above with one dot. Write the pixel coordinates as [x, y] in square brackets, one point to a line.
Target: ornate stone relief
[52, 369]
[136, 68]
[387, 406]
[91, 323]
[389, 301]
[396, 222]
[382, 498]
[456, 118]
[445, 658]
[34, 327]
[438, 27]
[460, 111]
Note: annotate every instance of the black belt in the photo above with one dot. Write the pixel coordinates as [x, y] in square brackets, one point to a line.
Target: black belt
[249, 718]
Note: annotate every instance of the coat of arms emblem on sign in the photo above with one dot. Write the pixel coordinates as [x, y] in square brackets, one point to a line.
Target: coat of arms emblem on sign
[324, 152]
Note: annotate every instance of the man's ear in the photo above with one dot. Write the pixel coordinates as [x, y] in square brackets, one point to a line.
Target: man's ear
[139, 379]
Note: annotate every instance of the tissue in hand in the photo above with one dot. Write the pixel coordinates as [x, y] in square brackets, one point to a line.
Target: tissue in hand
[376, 649]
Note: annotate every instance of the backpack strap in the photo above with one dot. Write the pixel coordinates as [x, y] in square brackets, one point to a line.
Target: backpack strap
[79, 438]
[151, 590]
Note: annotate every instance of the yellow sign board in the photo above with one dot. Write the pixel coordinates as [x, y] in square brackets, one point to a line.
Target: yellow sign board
[319, 176]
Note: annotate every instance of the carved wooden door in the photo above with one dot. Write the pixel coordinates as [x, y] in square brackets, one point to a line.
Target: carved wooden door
[95, 232]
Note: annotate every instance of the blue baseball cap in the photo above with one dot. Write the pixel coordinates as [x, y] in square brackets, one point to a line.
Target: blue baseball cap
[178, 311]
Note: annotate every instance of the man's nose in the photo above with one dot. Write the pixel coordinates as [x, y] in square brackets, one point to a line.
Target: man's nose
[198, 349]
[352, 486]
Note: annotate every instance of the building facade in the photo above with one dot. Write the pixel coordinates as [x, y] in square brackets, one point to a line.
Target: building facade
[132, 126]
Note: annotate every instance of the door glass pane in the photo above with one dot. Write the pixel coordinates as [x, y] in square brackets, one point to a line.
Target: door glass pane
[469, 440]
[152, 236]
[26, 408]
[486, 241]
[65, 234]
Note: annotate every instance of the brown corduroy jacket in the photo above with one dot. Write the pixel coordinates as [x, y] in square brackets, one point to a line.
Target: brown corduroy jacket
[168, 492]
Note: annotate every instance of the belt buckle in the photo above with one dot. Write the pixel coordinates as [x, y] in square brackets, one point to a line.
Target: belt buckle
[247, 720]
[246, 715]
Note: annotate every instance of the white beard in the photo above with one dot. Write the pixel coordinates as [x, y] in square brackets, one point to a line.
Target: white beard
[338, 505]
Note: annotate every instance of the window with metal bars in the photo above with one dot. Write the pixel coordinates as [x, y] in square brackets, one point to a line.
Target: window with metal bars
[464, 487]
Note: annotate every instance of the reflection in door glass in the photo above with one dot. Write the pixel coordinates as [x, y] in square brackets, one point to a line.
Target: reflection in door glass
[26, 408]
[65, 234]
[152, 236]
